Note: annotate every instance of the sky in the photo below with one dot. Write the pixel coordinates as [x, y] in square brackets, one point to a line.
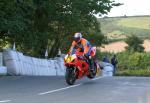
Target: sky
[131, 8]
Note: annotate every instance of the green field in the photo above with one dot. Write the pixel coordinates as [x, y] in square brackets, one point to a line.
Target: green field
[119, 27]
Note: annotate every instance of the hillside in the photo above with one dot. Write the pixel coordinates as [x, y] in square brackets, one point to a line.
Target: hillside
[117, 28]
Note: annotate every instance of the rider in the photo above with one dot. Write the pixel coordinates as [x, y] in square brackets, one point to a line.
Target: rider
[82, 45]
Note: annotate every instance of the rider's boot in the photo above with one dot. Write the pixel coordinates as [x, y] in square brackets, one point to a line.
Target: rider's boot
[90, 61]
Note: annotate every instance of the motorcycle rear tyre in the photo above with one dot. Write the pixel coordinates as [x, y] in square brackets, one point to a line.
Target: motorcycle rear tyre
[92, 73]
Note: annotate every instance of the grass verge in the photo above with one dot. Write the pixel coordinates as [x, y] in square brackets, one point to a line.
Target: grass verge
[138, 72]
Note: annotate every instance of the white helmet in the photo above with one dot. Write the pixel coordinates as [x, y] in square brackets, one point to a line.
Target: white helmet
[77, 37]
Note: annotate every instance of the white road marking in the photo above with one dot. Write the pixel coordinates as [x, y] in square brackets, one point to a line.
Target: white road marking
[97, 78]
[61, 89]
[4, 101]
[52, 91]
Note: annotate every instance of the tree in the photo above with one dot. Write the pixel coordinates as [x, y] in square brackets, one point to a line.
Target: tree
[77, 15]
[134, 44]
[39, 24]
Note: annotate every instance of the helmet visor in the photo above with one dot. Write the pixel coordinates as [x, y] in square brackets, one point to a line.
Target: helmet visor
[77, 39]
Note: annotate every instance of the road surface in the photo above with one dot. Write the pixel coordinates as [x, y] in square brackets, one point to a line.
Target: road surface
[26, 89]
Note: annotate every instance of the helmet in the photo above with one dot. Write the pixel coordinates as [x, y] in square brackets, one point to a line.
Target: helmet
[77, 37]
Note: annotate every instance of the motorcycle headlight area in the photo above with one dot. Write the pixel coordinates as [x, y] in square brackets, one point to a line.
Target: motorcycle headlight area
[70, 58]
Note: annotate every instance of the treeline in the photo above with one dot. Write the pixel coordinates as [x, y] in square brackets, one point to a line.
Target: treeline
[129, 60]
[37, 25]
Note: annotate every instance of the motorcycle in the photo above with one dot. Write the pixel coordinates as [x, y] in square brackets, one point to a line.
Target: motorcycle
[77, 66]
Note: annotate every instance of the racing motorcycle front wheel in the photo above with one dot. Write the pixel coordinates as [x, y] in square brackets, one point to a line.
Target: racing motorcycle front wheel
[70, 75]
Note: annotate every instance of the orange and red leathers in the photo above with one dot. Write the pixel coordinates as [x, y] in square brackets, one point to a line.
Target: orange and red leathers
[82, 44]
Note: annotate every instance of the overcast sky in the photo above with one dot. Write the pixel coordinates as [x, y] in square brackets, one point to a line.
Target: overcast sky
[130, 8]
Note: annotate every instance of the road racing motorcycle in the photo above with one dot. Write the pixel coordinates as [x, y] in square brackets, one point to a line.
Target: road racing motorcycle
[77, 66]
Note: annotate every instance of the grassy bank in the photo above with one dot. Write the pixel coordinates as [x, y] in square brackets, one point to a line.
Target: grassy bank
[138, 72]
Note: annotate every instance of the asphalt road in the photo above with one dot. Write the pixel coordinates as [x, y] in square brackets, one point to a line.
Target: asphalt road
[54, 90]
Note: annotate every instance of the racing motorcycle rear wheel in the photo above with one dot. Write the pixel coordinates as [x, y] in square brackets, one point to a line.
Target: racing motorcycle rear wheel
[92, 73]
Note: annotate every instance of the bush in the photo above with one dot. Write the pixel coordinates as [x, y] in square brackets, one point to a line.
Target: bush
[134, 60]
[130, 63]
[134, 44]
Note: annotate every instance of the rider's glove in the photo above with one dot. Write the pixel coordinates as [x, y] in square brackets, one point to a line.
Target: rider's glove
[69, 53]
